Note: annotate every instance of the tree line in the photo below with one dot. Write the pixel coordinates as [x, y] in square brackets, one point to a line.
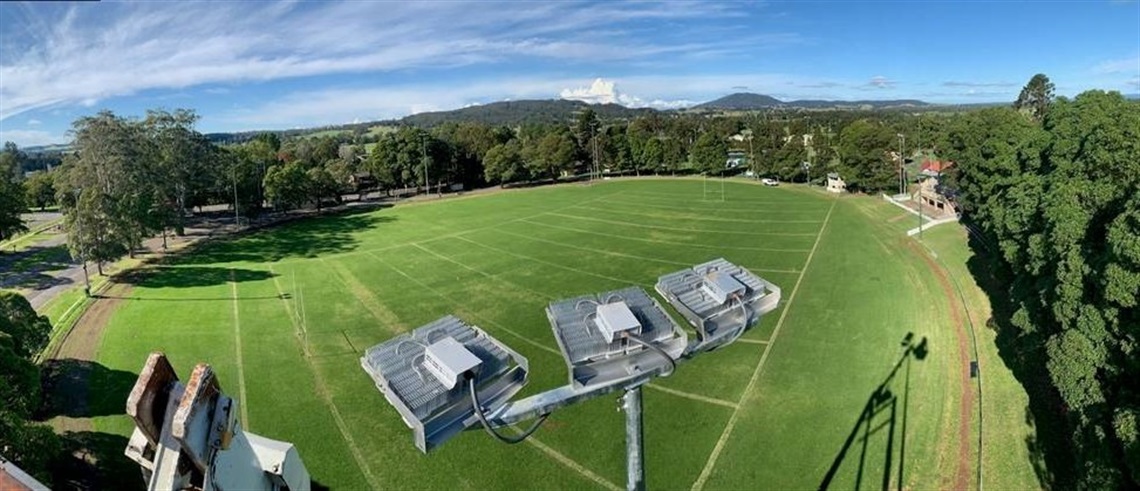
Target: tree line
[1054, 188]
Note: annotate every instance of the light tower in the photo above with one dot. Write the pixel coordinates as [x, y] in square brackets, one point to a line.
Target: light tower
[447, 376]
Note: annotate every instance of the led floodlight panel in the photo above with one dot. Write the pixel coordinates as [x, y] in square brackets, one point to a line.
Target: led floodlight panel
[591, 331]
[422, 375]
[719, 298]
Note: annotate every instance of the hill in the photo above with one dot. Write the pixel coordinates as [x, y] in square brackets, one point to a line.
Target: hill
[741, 101]
[745, 101]
[512, 113]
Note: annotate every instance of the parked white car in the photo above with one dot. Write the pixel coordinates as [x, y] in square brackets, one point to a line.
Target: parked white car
[768, 181]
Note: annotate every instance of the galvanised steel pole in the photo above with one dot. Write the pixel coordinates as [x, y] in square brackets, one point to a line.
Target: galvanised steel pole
[635, 458]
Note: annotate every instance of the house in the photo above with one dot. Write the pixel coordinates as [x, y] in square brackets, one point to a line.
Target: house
[934, 168]
[932, 193]
[12, 478]
[835, 183]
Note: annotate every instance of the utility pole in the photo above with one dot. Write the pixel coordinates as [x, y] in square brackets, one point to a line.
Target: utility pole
[423, 142]
[902, 163]
[237, 219]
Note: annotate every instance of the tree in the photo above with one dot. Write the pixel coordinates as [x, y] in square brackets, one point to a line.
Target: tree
[555, 154]
[504, 163]
[709, 154]
[40, 189]
[322, 185]
[108, 188]
[23, 334]
[1035, 97]
[181, 164]
[25, 331]
[864, 147]
[287, 185]
[1060, 201]
[11, 193]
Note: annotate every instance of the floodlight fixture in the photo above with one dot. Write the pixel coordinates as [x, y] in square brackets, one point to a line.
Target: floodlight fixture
[720, 299]
[615, 337]
[433, 374]
[615, 341]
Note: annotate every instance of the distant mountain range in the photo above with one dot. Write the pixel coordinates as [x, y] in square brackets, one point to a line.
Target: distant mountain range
[746, 101]
[512, 113]
[524, 112]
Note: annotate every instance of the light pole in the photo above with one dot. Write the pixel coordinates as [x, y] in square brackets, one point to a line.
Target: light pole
[902, 163]
[237, 218]
[423, 142]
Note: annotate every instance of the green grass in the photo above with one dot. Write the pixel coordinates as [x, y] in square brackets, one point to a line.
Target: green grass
[1005, 403]
[497, 260]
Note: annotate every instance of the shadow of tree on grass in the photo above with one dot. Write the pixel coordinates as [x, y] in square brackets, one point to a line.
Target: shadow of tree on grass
[190, 276]
[93, 460]
[81, 389]
[306, 237]
[1050, 448]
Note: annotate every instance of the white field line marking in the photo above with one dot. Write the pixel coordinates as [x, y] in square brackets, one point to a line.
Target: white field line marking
[599, 251]
[775, 209]
[298, 329]
[548, 263]
[466, 311]
[566, 461]
[237, 345]
[707, 471]
[684, 230]
[319, 383]
[692, 215]
[679, 196]
[387, 319]
[486, 274]
[751, 341]
[635, 256]
[695, 397]
[444, 236]
[664, 242]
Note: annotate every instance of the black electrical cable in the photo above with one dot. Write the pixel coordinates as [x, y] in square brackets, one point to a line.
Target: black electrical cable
[672, 362]
[743, 321]
[478, 406]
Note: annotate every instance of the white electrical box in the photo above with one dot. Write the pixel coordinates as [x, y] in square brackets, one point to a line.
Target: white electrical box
[447, 359]
[721, 286]
[614, 318]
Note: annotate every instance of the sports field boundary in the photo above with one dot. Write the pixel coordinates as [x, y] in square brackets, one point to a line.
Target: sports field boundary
[720, 443]
[242, 400]
[322, 390]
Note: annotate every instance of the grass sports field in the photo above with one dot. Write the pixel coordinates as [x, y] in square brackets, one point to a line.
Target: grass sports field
[820, 393]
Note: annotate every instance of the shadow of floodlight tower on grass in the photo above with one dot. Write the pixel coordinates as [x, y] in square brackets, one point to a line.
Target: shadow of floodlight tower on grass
[883, 411]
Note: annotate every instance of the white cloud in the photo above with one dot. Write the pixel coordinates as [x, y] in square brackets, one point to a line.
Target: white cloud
[978, 84]
[34, 122]
[603, 91]
[1135, 83]
[92, 52]
[881, 82]
[1124, 65]
[31, 138]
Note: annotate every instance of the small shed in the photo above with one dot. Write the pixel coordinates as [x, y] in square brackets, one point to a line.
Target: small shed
[835, 183]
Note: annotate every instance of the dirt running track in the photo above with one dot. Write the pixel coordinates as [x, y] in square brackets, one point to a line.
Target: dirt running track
[962, 476]
[81, 344]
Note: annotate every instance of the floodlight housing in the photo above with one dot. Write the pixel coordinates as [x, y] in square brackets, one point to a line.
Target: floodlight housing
[616, 318]
[421, 373]
[448, 361]
[591, 330]
[719, 299]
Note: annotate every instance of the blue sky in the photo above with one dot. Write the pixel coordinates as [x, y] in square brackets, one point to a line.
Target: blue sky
[276, 65]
